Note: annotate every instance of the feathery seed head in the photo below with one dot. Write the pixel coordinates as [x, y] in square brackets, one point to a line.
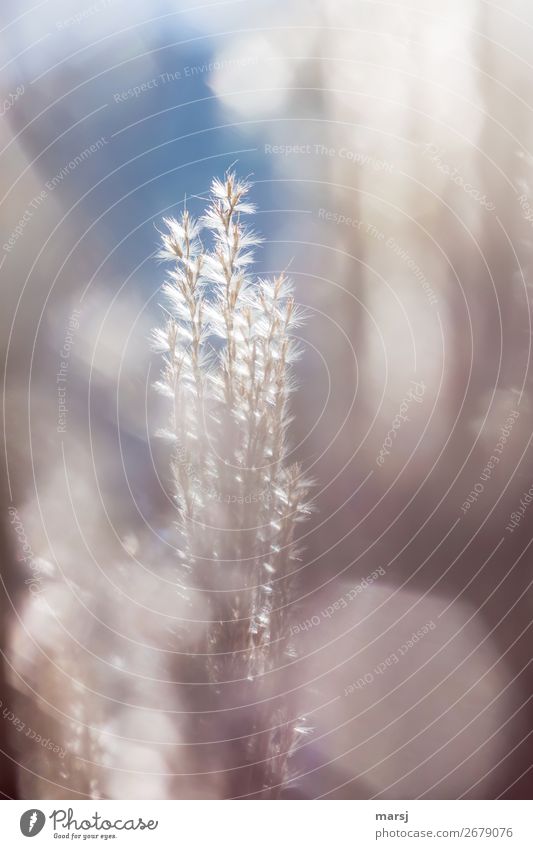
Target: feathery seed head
[228, 352]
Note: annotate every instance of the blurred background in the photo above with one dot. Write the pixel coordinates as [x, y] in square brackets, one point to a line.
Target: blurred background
[390, 144]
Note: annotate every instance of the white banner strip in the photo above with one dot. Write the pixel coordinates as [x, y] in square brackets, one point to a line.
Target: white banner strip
[254, 825]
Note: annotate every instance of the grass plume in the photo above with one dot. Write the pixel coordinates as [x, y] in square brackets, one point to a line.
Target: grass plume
[228, 350]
